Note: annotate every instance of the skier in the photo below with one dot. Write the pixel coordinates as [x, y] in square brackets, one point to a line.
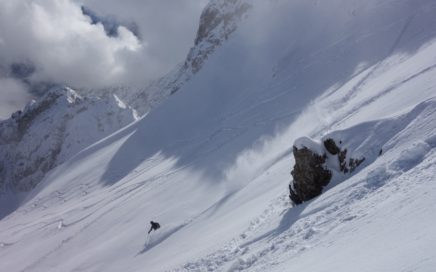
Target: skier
[154, 226]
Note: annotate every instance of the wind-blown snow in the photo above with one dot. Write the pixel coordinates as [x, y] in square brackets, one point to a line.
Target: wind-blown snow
[212, 163]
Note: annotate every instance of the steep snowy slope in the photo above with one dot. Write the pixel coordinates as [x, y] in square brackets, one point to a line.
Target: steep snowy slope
[380, 218]
[212, 163]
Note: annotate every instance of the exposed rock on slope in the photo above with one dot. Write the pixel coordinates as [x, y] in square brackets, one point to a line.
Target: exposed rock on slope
[314, 167]
[333, 149]
[218, 20]
[310, 174]
[51, 130]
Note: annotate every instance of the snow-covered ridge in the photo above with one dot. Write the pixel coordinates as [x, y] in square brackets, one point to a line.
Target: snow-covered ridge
[219, 19]
[51, 130]
[217, 22]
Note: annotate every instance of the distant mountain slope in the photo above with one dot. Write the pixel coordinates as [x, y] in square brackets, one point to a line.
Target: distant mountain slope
[51, 130]
[218, 21]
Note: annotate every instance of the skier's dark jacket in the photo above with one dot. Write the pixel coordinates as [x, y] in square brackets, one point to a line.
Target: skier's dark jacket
[154, 226]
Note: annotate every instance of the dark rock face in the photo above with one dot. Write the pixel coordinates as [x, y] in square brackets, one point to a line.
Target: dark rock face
[213, 15]
[217, 22]
[310, 175]
[342, 163]
[331, 146]
[354, 163]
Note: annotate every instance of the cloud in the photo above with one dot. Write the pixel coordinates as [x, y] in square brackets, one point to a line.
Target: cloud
[13, 95]
[63, 44]
[169, 27]
[92, 44]
[110, 23]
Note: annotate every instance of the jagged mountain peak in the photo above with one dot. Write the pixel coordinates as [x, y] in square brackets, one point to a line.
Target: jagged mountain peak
[14, 128]
[217, 23]
[52, 129]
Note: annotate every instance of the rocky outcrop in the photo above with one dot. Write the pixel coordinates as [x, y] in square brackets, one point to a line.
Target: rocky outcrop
[331, 146]
[218, 20]
[51, 130]
[310, 175]
[315, 165]
[344, 165]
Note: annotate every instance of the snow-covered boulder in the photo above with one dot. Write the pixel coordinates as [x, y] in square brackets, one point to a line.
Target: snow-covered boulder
[340, 154]
[315, 164]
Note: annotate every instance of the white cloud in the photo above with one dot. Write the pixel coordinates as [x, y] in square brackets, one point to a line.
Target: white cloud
[13, 95]
[63, 44]
[53, 41]
[168, 26]
[66, 46]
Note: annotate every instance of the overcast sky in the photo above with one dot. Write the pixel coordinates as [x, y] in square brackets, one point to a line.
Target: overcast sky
[90, 43]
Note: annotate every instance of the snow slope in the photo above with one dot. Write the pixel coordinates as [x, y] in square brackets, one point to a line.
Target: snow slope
[212, 163]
